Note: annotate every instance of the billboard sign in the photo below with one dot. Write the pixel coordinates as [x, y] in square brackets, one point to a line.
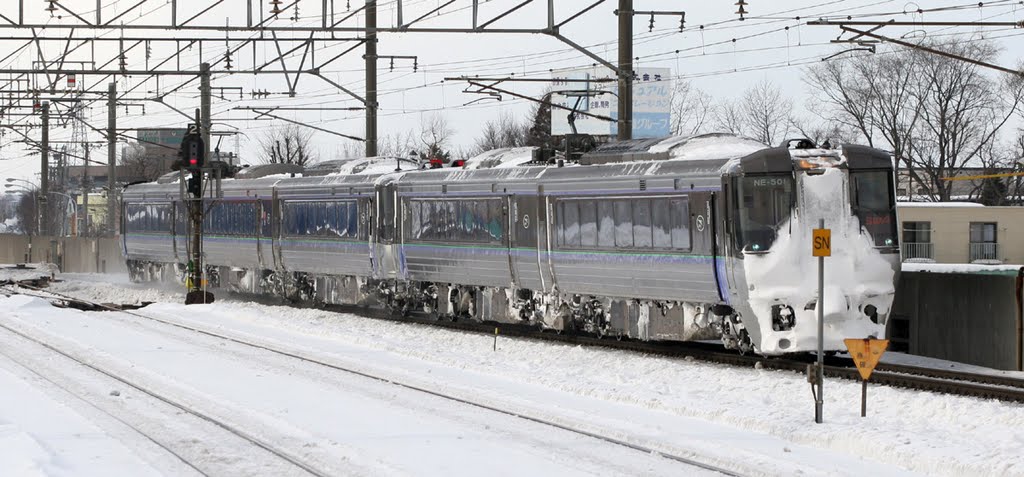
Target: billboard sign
[171, 137]
[652, 101]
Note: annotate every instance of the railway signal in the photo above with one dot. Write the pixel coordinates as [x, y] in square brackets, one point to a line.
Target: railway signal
[193, 149]
[865, 353]
[193, 160]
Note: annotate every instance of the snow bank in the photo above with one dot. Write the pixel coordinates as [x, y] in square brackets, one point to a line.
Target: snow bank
[1005, 269]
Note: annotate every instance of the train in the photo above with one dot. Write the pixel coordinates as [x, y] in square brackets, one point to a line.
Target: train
[705, 237]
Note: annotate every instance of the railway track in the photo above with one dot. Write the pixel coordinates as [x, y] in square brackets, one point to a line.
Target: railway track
[73, 302]
[904, 376]
[268, 447]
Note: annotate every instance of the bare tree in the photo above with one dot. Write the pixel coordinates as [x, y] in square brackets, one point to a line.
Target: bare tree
[766, 112]
[397, 144]
[351, 150]
[290, 144]
[728, 117]
[762, 114]
[936, 114]
[434, 136]
[139, 165]
[505, 131]
[692, 109]
[962, 110]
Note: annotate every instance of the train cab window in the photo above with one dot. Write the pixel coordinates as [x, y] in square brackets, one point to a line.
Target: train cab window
[764, 203]
[873, 203]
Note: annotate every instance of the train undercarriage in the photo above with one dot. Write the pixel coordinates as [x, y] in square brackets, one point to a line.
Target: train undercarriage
[559, 312]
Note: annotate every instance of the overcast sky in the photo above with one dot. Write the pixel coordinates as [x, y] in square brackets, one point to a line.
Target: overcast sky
[770, 44]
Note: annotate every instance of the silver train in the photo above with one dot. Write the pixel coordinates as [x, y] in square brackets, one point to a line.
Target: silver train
[676, 239]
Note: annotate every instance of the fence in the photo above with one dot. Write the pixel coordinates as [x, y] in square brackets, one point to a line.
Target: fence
[922, 251]
[71, 254]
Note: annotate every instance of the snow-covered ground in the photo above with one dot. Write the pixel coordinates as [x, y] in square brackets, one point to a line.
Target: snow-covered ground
[752, 421]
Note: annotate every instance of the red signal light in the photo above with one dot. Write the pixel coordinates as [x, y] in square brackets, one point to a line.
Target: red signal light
[193, 161]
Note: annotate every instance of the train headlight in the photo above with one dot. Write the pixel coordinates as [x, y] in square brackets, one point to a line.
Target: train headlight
[888, 242]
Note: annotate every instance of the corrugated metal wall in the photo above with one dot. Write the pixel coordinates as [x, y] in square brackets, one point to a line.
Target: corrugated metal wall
[964, 317]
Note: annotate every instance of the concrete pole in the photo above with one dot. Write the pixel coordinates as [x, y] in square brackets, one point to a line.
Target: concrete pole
[205, 93]
[626, 70]
[371, 78]
[44, 172]
[112, 158]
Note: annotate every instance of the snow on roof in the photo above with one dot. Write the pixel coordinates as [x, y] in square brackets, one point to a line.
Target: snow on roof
[939, 204]
[502, 157]
[707, 146]
[374, 165]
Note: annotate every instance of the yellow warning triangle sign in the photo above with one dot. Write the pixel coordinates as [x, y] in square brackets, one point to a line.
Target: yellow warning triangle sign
[866, 353]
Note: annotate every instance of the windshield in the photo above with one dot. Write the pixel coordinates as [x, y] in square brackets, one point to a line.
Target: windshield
[872, 201]
[764, 203]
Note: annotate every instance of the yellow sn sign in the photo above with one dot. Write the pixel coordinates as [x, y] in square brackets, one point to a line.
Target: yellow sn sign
[822, 243]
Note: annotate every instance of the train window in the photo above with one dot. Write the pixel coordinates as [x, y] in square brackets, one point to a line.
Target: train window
[571, 222]
[680, 211]
[623, 223]
[462, 220]
[764, 203]
[642, 223]
[605, 224]
[320, 219]
[415, 226]
[148, 218]
[496, 215]
[588, 223]
[661, 223]
[873, 203]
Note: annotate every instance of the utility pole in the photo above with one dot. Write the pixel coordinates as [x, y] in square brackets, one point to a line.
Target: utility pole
[625, 119]
[84, 231]
[44, 172]
[204, 103]
[371, 78]
[111, 157]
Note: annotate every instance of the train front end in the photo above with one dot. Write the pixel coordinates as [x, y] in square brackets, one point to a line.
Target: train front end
[776, 198]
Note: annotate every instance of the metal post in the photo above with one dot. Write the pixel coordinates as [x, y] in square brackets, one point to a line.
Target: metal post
[819, 398]
[84, 230]
[863, 398]
[625, 119]
[111, 157]
[371, 78]
[205, 93]
[99, 8]
[44, 172]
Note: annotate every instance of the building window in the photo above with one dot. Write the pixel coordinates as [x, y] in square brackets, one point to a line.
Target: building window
[984, 245]
[917, 241]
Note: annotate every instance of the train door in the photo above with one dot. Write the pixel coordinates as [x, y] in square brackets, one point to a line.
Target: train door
[713, 244]
[264, 236]
[524, 240]
[180, 232]
[386, 209]
[276, 225]
[726, 248]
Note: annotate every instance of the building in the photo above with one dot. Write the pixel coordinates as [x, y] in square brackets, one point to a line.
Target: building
[961, 232]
